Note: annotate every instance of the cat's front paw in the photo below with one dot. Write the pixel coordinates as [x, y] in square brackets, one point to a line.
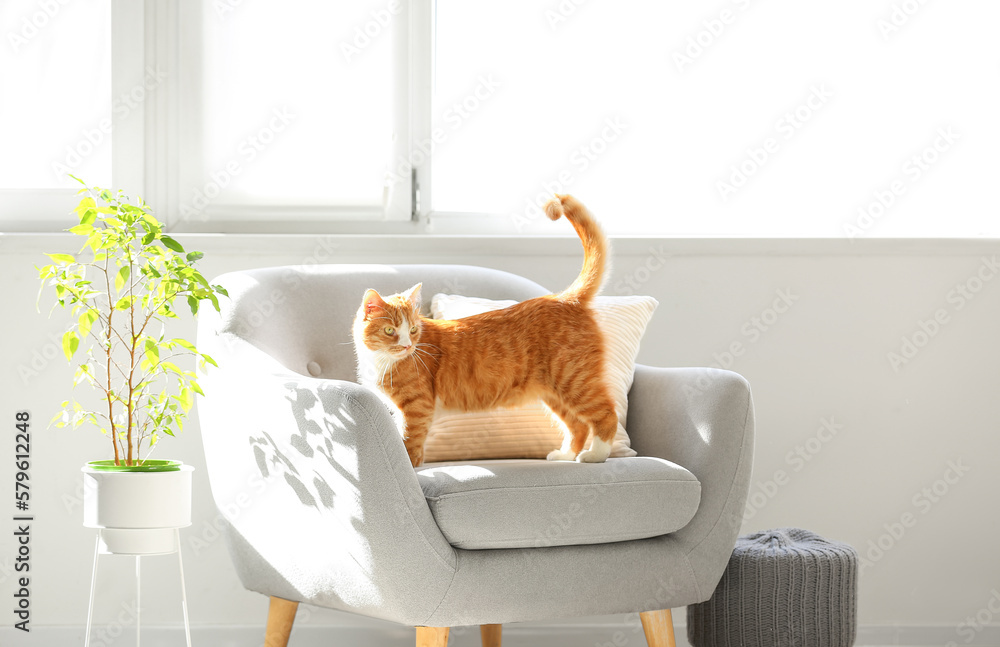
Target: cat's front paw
[416, 456]
[560, 455]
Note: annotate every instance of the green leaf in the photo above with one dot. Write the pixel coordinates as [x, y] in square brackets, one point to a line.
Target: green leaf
[124, 303]
[171, 244]
[173, 368]
[148, 238]
[62, 417]
[121, 278]
[186, 399]
[62, 259]
[193, 303]
[82, 230]
[183, 343]
[86, 321]
[152, 351]
[93, 242]
[195, 256]
[70, 342]
[221, 290]
[83, 374]
[85, 205]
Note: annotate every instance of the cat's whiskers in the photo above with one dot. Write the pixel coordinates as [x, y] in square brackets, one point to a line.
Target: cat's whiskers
[416, 357]
[419, 349]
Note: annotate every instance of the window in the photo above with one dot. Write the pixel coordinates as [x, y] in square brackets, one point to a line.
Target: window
[298, 110]
[56, 105]
[735, 118]
[679, 119]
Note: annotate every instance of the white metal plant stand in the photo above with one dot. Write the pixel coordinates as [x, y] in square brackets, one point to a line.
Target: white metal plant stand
[139, 515]
[101, 547]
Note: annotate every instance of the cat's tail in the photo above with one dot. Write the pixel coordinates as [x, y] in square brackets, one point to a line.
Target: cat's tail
[595, 247]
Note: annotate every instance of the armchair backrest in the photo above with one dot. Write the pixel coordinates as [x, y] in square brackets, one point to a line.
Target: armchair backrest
[302, 315]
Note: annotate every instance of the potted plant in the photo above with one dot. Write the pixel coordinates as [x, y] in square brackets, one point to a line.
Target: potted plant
[122, 289]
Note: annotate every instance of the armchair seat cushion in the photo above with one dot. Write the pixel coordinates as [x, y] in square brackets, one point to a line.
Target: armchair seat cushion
[538, 503]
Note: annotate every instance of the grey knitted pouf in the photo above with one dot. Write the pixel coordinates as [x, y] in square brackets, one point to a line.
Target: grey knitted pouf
[783, 588]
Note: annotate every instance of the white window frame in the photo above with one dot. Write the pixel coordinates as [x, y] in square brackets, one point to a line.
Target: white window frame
[27, 210]
[153, 140]
[177, 139]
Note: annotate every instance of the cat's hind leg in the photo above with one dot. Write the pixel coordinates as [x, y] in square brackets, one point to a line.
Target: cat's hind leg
[598, 413]
[575, 432]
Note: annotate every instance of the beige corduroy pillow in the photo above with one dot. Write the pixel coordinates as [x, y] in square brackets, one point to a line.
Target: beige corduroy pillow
[529, 431]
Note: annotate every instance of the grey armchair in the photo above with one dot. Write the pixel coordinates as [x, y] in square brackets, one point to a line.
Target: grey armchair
[322, 506]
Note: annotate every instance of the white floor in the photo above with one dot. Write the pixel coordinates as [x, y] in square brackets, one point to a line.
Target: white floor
[607, 635]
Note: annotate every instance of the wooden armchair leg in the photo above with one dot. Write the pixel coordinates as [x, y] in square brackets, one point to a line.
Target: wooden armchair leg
[280, 616]
[432, 636]
[491, 635]
[659, 628]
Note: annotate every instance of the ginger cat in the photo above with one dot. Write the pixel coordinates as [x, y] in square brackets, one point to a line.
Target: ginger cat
[547, 348]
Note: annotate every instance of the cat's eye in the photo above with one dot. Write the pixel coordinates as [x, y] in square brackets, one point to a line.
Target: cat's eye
[389, 330]
[413, 331]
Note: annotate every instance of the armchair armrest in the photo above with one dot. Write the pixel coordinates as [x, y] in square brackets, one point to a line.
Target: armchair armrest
[323, 461]
[701, 419]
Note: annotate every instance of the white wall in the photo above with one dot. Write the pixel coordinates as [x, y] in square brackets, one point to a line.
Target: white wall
[824, 358]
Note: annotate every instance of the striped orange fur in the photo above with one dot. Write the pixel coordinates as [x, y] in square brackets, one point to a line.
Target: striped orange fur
[548, 348]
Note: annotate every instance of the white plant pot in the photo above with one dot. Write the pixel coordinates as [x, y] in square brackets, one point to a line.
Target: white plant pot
[138, 512]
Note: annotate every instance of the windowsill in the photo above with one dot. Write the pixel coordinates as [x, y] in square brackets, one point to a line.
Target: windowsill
[421, 244]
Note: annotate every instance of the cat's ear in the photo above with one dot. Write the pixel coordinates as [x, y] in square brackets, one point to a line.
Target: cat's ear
[413, 295]
[373, 302]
